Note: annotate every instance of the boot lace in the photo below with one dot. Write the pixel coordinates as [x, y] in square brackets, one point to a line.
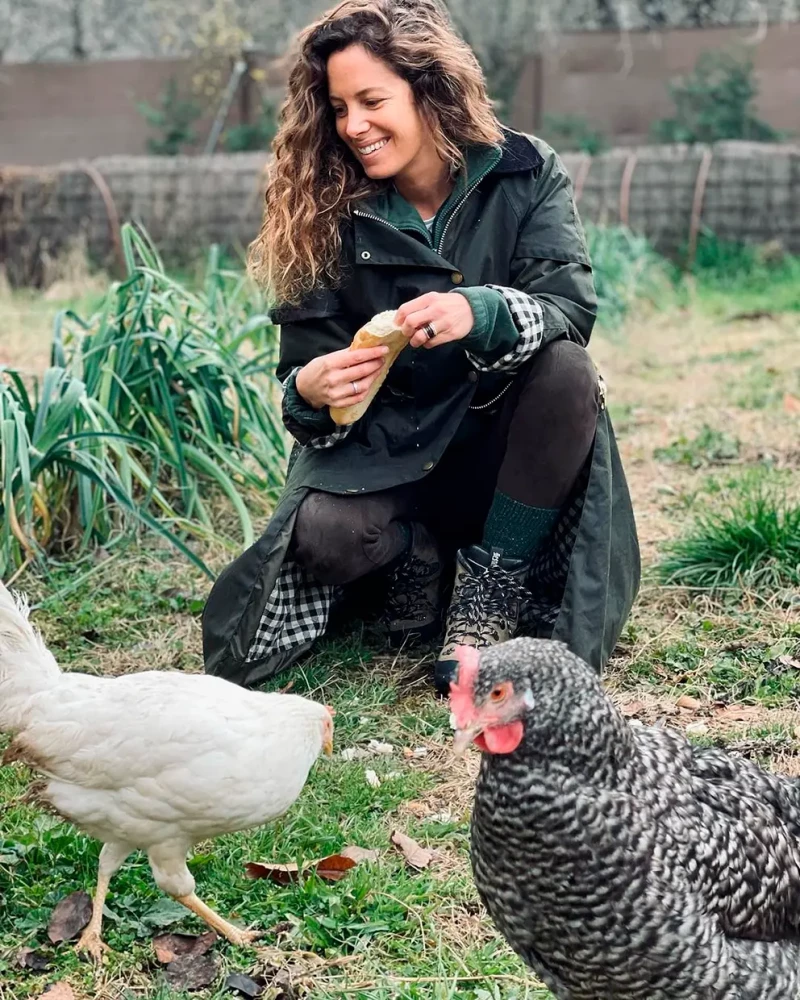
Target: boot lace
[407, 597]
[484, 605]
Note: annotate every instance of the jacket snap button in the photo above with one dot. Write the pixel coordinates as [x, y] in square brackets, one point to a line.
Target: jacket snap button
[472, 377]
[456, 277]
[427, 466]
[365, 255]
[353, 491]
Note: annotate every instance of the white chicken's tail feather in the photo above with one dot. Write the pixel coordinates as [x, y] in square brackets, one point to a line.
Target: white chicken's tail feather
[26, 665]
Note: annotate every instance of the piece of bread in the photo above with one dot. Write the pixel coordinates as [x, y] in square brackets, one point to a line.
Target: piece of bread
[380, 330]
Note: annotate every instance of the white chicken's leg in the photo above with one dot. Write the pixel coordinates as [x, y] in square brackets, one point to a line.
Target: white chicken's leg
[168, 862]
[111, 858]
[228, 930]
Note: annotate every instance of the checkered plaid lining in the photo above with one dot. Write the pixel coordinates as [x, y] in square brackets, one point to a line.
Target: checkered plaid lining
[320, 440]
[296, 612]
[528, 317]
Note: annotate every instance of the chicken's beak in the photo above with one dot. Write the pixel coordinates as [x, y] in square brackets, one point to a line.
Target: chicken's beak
[462, 738]
[327, 747]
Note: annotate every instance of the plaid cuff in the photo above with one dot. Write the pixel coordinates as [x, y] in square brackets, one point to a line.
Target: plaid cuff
[309, 426]
[528, 317]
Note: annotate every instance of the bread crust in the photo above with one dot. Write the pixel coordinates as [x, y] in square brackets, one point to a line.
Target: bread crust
[395, 340]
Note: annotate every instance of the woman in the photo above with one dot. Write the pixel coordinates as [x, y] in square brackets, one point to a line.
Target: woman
[486, 462]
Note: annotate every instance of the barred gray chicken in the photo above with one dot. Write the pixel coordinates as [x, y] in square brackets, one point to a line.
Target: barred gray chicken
[620, 862]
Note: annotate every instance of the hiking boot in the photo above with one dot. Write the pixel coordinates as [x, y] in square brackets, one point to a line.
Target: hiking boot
[488, 594]
[414, 600]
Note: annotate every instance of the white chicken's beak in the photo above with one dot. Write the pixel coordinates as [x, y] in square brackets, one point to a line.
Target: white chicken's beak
[462, 738]
[327, 747]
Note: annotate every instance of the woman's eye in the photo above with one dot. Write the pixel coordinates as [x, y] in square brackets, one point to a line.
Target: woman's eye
[373, 102]
[338, 112]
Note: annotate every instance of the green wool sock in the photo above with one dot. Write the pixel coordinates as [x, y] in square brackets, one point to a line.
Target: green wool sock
[516, 528]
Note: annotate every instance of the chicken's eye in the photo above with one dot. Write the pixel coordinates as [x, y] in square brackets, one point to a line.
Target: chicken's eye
[497, 694]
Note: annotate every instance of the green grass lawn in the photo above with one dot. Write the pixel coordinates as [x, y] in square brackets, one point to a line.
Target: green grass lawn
[695, 424]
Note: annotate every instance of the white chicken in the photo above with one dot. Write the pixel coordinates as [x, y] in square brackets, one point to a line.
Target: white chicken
[153, 761]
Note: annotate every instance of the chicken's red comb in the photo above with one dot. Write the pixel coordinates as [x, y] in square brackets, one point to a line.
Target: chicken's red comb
[331, 710]
[462, 690]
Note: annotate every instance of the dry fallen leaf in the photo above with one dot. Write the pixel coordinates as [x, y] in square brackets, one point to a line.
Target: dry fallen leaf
[632, 708]
[416, 808]
[28, 958]
[332, 868]
[415, 854]
[188, 964]
[168, 947]
[191, 972]
[697, 728]
[789, 662]
[791, 403]
[738, 713]
[692, 704]
[58, 991]
[372, 779]
[244, 985]
[69, 917]
[282, 874]
[359, 854]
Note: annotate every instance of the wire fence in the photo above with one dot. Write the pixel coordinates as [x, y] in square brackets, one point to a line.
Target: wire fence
[743, 192]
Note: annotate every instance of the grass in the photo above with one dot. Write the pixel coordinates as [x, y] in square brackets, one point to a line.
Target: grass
[671, 373]
[385, 915]
[753, 542]
[708, 447]
[733, 279]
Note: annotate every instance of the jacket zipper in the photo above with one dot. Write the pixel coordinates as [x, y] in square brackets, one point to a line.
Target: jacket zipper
[397, 229]
[459, 206]
[456, 210]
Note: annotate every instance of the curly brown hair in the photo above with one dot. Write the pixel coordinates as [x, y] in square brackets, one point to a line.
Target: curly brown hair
[314, 180]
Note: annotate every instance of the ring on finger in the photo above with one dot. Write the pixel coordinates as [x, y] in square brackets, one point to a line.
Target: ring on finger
[356, 390]
[429, 330]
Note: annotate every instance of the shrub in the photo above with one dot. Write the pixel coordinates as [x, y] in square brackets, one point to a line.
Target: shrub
[173, 118]
[573, 132]
[715, 102]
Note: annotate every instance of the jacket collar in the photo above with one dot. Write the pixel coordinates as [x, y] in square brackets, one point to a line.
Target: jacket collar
[390, 205]
[516, 155]
[519, 154]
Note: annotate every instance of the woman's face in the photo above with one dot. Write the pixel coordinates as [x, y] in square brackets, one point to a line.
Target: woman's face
[376, 116]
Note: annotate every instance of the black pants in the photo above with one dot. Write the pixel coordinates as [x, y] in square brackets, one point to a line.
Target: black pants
[531, 448]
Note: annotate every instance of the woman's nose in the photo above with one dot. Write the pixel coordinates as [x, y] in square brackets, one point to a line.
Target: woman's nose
[356, 125]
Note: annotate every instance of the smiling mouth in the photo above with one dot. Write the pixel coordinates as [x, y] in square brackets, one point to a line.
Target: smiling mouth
[372, 148]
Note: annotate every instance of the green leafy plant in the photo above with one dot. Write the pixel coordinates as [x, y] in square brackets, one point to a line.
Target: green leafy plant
[755, 542]
[159, 400]
[715, 102]
[573, 132]
[252, 136]
[173, 119]
[626, 269]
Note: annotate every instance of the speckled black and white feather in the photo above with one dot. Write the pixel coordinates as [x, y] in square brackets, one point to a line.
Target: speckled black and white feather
[620, 862]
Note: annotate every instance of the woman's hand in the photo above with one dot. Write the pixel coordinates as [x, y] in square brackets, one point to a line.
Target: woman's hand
[448, 316]
[341, 378]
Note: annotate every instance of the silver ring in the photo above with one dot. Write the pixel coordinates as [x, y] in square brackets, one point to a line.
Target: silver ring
[429, 330]
[355, 388]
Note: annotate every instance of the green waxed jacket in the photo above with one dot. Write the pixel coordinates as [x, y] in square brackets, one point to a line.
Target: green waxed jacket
[510, 222]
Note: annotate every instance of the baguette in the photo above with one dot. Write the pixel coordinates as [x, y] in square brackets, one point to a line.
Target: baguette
[379, 331]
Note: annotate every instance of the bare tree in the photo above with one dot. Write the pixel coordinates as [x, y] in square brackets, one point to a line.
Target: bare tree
[502, 32]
